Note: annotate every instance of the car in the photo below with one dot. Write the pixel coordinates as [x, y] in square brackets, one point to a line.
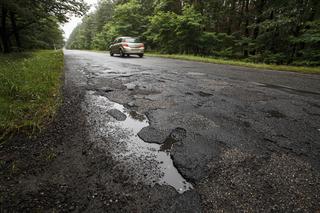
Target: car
[126, 46]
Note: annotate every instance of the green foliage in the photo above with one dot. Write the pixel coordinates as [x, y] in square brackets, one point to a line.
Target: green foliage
[310, 38]
[167, 6]
[29, 90]
[48, 35]
[261, 31]
[128, 20]
[125, 19]
[162, 33]
[189, 29]
[174, 33]
[217, 44]
[29, 24]
[103, 39]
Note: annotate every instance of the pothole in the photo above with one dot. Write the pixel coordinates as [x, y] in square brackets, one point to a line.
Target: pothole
[275, 114]
[146, 162]
[204, 94]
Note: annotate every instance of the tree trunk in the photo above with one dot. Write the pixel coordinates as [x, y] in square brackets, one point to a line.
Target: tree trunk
[246, 29]
[260, 8]
[4, 34]
[314, 6]
[256, 30]
[15, 30]
[231, 16]
[241, 14]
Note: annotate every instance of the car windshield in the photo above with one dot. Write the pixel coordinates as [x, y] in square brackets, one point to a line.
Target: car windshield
[132, 40]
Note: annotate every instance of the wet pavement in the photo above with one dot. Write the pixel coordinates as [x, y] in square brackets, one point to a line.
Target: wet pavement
[147, 162]
[190, 116]
[160, 135]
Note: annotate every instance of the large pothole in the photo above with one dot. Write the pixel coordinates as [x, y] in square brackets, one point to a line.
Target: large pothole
[144, 162]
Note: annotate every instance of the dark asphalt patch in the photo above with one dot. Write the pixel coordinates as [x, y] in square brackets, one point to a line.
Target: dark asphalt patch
[192, 155]
[117, 114]
[176, 135]
[150, 134]
[204, 94]
[275, 114]
[136, 115]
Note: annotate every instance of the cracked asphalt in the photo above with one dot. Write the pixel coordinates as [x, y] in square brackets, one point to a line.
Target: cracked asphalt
[163, 135]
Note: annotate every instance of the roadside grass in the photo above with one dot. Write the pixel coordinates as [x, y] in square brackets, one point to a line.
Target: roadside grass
[29, 91]
[300, 69]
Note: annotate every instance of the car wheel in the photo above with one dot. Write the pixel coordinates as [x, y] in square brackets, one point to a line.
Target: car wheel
[111, 53]
[140, 55]
[121, 53]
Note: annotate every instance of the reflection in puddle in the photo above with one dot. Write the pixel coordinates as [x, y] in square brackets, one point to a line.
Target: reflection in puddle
[151, 163]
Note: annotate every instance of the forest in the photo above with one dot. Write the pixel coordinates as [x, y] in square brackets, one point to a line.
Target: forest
[262, 31]
[35, 24]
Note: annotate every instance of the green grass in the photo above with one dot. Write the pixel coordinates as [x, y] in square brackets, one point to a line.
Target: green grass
[300, 69]
[29, 91]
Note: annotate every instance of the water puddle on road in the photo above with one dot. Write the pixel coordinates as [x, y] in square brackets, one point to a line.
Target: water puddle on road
[146, 162]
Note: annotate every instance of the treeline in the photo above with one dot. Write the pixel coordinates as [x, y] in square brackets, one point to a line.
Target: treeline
[34, 24]
[268, 31]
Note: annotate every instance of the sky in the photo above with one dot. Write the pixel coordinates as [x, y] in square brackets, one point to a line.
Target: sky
[74, 21]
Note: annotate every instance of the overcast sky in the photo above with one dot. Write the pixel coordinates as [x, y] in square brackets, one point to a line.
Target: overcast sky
[74, 21]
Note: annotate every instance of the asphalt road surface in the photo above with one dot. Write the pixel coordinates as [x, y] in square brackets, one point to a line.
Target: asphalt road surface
[161, 135]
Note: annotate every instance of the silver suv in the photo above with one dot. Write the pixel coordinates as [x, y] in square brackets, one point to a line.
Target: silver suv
[127, 46]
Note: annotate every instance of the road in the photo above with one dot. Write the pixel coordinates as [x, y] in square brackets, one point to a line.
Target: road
[163, 135]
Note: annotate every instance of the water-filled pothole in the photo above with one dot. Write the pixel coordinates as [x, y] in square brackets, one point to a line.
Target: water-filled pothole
[150, 162]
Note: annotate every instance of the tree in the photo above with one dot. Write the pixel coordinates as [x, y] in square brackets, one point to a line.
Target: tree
[162, 31]
[269, 31]
[19, 15]
[128, 19]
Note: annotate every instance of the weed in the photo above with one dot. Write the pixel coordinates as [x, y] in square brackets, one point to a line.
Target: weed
[29, 91]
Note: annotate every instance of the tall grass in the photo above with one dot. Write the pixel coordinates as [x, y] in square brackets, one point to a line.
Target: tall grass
[300, 69]
[29, 90]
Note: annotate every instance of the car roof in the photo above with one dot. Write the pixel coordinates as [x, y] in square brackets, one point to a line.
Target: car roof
[125, 37]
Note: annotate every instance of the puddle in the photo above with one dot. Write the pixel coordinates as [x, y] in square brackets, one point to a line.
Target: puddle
[150, 163]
